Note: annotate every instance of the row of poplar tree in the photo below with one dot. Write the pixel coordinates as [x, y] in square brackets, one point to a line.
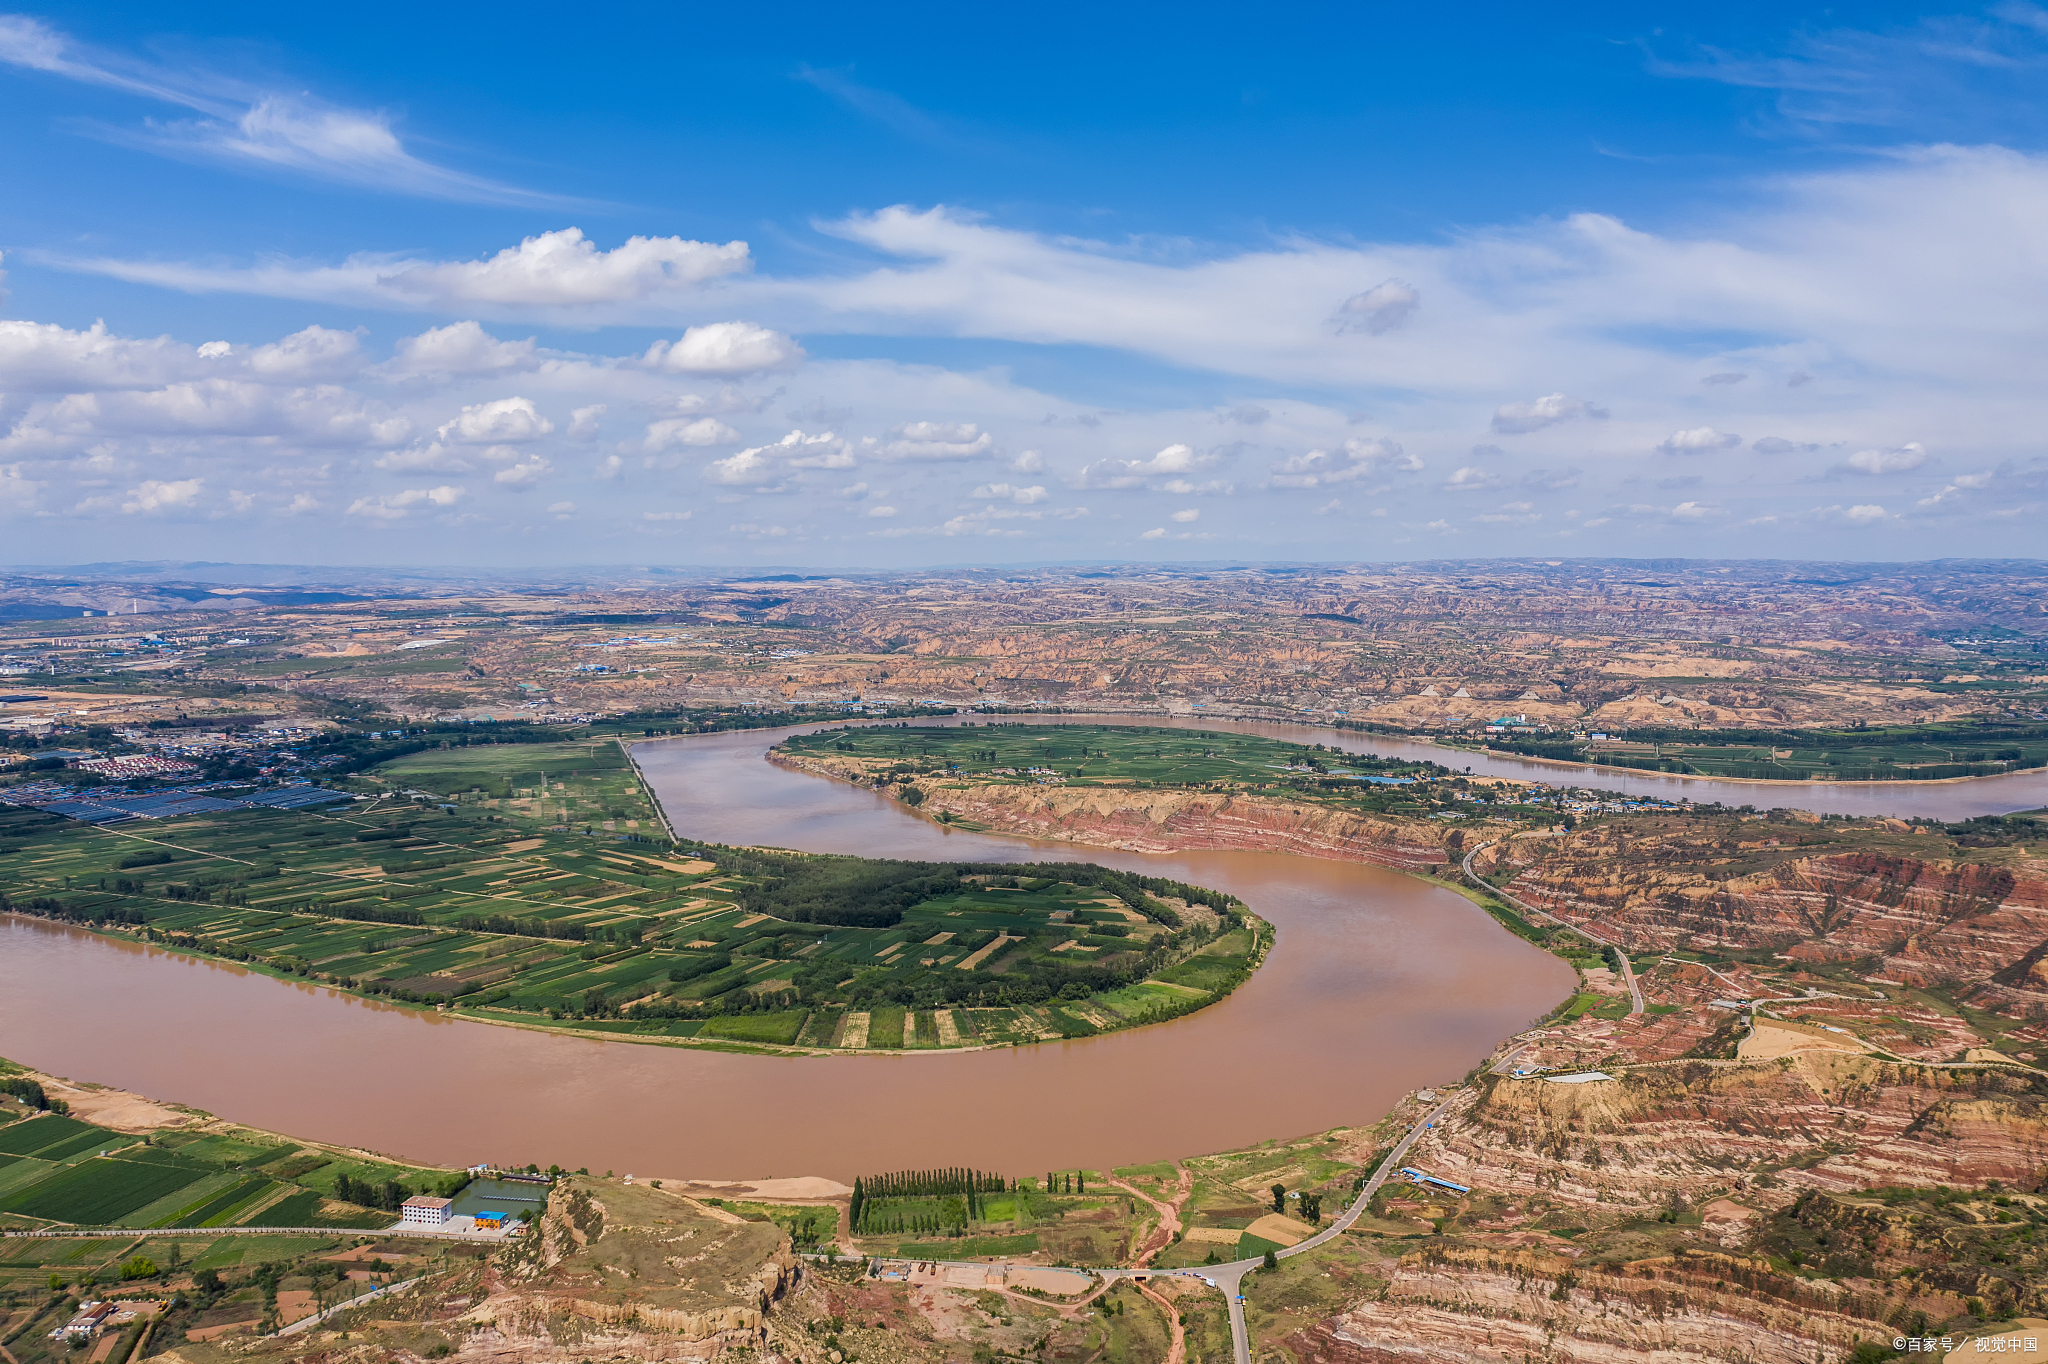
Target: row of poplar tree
[872, 1194]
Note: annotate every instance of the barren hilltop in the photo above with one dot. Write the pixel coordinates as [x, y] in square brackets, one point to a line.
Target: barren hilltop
[1426, 645]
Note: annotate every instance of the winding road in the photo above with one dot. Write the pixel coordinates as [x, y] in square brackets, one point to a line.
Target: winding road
[1228, 1277]
[1628, 970]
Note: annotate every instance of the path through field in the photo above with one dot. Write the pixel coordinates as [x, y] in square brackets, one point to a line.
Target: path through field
[1176, 1353]
[1169, 1215]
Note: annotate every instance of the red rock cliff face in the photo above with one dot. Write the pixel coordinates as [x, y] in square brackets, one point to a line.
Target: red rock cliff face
[1832, 1123]
[1914, 920]
[1165, 821]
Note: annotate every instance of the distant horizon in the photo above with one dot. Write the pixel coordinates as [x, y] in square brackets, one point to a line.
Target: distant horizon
[1205, 565]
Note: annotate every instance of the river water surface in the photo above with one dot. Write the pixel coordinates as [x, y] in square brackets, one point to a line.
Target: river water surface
[1377, 984]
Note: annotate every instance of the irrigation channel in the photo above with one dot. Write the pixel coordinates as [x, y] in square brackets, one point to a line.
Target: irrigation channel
[1378, 984]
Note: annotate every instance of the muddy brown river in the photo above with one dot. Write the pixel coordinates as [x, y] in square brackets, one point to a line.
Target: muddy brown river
[1376, 984]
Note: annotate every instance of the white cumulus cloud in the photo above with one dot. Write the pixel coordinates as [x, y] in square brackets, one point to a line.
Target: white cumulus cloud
[154, 495]
[395, 506]
[1131, 473]
[319, 414]
[507, 419]
[1006, 492]
[762, 465]
[1518, 418]
[937, 441]
[566, 268]
[308, 356]
[670, 432]
[723, 348]
[1697, 440]
[527, 471]
[1356, 458]
[459, 348]
[38, 357]
[1904, 459]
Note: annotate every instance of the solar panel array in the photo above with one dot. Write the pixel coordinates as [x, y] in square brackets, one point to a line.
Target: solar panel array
[293, 797]
[169, 803]
[87, 812]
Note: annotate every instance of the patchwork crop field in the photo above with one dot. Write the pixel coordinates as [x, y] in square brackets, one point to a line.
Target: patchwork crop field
[1084, 754]
[1938, 752]
[58, 1171]
[479, 878]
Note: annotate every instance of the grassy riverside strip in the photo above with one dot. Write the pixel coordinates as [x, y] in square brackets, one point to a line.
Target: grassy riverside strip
[58, 1172]
[1013, 753]
[1939, 752]
[530, 884]
[190, 1223]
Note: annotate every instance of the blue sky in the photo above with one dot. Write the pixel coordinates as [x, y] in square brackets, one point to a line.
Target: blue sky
[818, 285]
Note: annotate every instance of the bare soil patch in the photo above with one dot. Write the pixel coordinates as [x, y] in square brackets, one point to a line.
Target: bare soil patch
[116, 1108]
[1769, 1040]
[1276, 1226]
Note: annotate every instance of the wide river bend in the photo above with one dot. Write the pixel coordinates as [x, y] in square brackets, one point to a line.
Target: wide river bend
[1377, 983]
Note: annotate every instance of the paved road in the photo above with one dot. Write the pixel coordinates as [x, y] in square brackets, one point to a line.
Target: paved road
[1628, 971]
[1230, 1277]
[409, 1233]
[308, 1323]
[1628, 977]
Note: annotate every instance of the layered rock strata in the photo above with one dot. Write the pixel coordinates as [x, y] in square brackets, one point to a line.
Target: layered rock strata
[1165, 821]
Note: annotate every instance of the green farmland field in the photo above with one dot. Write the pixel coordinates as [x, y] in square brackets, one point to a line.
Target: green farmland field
[504, 893]
[1080, 754]
[1904, 753]
[98, 1191]
[30, 1137]
[778, 1028]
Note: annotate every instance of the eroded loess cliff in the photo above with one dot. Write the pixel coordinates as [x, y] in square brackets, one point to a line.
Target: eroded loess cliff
[1483, 1305]
[1779, 1212]
[1164, 820]
[1695, 1130]
[1905, 908]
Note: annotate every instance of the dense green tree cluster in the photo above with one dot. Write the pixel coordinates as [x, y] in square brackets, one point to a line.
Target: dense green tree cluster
[51, 907]
[28, 1091]
[389, 1195]
[869, 893]
[920, 1201]
[524, 928]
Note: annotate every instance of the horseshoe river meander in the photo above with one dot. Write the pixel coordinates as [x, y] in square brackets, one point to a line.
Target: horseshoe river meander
[1377, 984]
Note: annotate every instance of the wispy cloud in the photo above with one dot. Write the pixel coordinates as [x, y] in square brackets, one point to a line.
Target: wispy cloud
[553, 272]
[1941, 76]
[243, 125]
[884, 107]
